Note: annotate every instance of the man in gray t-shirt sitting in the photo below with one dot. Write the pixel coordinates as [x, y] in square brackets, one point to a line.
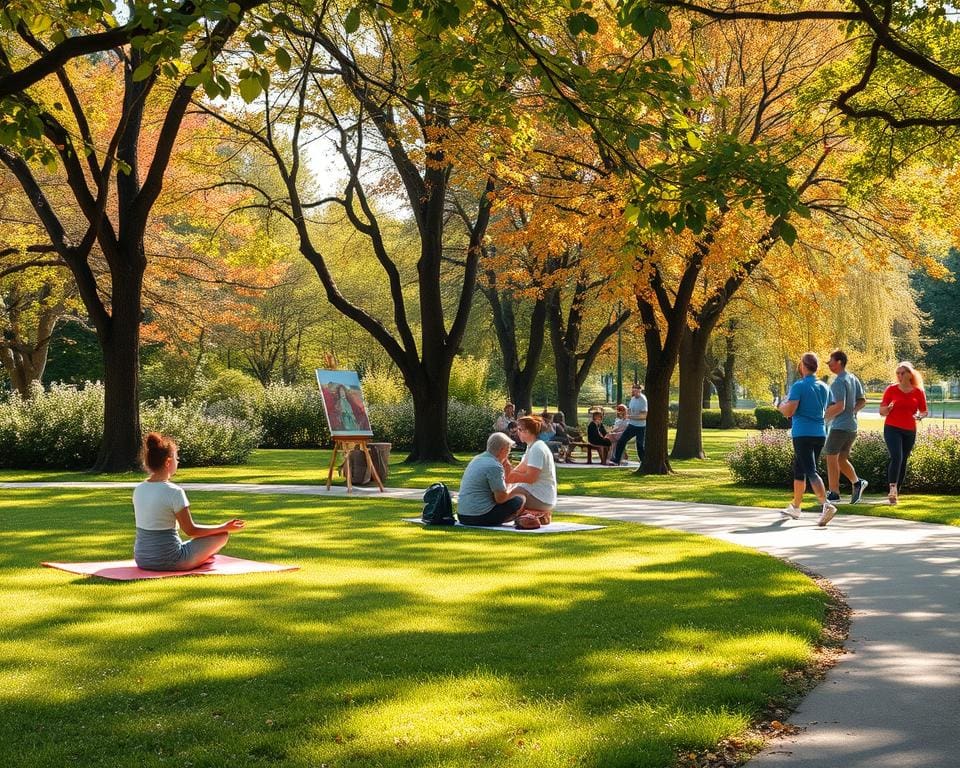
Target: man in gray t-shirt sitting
[484, 498]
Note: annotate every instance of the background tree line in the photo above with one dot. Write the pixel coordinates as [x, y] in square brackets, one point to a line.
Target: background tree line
[559, 173]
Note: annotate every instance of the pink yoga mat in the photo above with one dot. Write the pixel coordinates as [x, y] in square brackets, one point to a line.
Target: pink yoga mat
[125, 570]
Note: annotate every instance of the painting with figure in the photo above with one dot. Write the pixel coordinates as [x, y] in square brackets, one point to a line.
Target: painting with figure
[343, 403]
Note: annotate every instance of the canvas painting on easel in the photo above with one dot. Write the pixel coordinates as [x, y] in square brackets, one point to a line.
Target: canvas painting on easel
[343, 403]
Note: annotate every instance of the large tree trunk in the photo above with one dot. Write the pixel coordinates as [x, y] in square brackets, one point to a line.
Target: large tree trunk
[688, 443]
[724, 382]
[24, 356]
[519, 377]
[520, 388]
[572, 363]
[565, 338]
[655, 461]
[430, 406]
[568, 391]
[122, 435]
[24, 368]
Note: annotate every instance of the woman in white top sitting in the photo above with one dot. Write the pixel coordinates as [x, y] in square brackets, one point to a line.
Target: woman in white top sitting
[535, 477]
[159, 506]
[616, 432]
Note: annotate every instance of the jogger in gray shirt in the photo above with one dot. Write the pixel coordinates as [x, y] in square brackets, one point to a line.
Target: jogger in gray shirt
[849, 398]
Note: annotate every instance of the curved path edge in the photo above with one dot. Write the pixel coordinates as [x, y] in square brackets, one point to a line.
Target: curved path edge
[893, 700]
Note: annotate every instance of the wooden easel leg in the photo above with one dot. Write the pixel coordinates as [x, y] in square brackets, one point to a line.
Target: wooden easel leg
[372, 468]
[333, 463]
[346, 452]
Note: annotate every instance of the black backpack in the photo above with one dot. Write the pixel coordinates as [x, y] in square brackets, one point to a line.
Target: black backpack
[438, 506]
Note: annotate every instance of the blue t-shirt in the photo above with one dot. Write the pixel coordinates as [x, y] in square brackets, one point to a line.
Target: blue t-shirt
[812, 397]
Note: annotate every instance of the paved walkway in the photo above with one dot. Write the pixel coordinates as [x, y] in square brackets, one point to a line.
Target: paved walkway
[893, 701]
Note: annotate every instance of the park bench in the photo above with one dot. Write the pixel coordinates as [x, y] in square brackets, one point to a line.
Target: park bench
[588, 448]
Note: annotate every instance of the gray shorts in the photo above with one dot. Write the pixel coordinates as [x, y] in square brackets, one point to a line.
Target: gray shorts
[839, 441]
[162, 550]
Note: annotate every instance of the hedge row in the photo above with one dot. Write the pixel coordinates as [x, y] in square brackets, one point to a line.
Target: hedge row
[468, 426]
[768, 417]
[62, 427]
[711, 417]
[767, 459]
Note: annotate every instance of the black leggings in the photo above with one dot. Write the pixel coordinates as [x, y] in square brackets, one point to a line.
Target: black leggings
[806, 454]
[899, 444]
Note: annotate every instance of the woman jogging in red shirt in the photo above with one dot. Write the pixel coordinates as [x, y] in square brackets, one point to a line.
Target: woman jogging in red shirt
[903, 405]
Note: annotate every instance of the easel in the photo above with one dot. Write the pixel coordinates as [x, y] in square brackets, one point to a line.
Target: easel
[347, 443]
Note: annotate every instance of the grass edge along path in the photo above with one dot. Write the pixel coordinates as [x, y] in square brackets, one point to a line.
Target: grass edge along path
[395, 646]
[694, 480]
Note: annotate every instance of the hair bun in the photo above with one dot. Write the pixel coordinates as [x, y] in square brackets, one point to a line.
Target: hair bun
[154, 440]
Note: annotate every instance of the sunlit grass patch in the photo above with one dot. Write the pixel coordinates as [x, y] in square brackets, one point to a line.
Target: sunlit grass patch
[392, 645]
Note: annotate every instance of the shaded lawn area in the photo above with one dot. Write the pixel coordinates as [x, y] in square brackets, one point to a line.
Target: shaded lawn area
[392, 646]
[694, 480]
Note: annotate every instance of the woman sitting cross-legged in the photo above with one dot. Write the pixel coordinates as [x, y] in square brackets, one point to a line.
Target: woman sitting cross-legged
[535, 477]
[159, 506]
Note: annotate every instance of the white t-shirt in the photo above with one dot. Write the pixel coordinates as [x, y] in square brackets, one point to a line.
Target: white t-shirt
[155, 505]
[545, 488]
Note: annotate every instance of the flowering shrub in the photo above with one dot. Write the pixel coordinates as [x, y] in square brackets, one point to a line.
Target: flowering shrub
[204, 440]
[935, 462]
[60, 428]
[469, 425]
[63, 427]
[292, 417]
[869, 456]
[767, 459]
[763, 459]
[393, 423]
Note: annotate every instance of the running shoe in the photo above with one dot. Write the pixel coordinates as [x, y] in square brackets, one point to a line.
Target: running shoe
[858, 488]
[833, 496]
[827, 515]
[790, 511]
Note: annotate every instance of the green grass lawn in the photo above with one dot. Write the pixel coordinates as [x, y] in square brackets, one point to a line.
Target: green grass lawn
[391, 646]
[694, 480]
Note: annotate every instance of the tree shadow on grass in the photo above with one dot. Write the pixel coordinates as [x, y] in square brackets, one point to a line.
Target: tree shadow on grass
[393, 645]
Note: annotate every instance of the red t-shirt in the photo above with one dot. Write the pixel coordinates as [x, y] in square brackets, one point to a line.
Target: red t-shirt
[905, 406]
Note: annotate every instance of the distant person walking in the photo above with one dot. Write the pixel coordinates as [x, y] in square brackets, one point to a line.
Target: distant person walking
[806, 404]
[636, 426]
[849, 398]
[903, 405]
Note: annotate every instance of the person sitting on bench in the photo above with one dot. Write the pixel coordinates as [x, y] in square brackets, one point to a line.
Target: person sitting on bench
[597, 434]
